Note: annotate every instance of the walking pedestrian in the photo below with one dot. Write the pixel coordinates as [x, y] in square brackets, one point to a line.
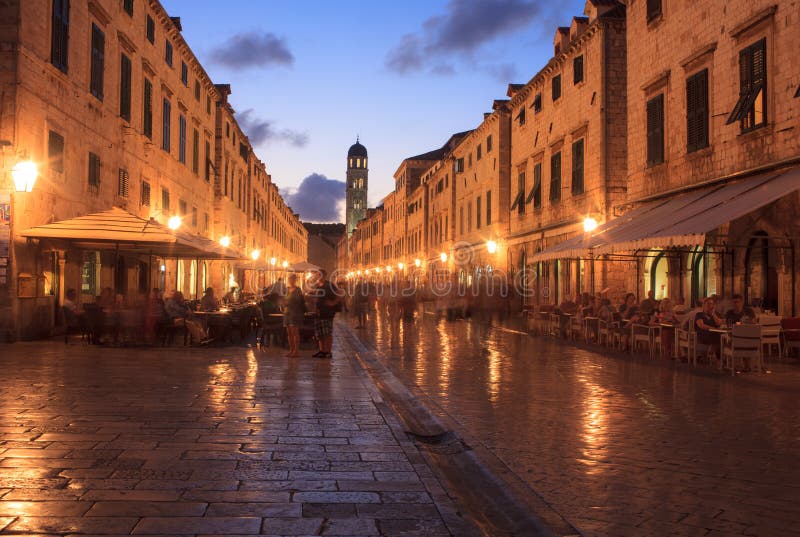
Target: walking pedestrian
[293, 314]
[328, 304]
[361, 302]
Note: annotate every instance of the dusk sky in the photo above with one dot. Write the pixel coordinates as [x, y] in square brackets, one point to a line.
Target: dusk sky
[308, 76]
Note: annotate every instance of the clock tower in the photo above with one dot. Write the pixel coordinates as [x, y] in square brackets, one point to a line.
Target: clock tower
[356, 198]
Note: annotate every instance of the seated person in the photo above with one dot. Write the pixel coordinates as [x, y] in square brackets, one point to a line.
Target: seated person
[231, 297]
[209, 301]
[176, 307]
[704, 321]
[649, 304]
[739, 313]
[269, 305]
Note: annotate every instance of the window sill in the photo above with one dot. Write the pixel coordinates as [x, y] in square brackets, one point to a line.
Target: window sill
[655, 22]
[755, 132]
[698, 154]
[651, 168]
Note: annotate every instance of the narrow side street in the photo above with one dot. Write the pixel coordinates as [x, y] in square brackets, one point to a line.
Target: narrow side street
[106, 441]
[618, 445]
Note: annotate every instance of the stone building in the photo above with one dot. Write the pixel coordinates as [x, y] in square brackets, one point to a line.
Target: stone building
[322, 244]
[111, 103]
[481, 164]
[568, 152]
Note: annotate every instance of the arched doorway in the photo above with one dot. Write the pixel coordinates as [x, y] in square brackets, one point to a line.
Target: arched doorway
[699, 280]
[659, 276]
[761, 273]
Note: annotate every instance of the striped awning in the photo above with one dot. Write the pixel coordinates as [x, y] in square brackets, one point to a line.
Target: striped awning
[118, 229]
[679, 221]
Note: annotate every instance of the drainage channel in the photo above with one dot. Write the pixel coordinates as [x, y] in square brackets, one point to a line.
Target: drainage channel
[486, 491]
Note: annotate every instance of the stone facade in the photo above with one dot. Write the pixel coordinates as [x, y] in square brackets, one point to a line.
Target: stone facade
[357, 181]
[121, 113]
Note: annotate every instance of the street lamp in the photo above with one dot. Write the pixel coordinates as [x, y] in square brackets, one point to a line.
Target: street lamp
[491, 247]
[225, 241]
[255, 254]
[400, 266]
[589, 224]
[174, 222]
[24, 174]
[443, 257]
[388, 268]
[417, 263]
[285, 264]
[272, 261]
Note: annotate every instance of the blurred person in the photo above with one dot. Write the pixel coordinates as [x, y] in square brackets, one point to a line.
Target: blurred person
[328, 304]
[739, 313]
[361, 299]
[293, 314]
[154, 314]
[704, 321]
[209, 301]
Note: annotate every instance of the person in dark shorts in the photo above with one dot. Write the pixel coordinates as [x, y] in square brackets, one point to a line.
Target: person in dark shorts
[328, 304]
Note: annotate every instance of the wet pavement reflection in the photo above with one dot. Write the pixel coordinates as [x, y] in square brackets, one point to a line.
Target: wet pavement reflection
[619, 445]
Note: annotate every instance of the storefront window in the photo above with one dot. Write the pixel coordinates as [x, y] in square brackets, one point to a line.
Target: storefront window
[90, 272]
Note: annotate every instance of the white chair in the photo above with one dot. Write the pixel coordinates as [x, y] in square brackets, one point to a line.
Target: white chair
[745, 342]
[770, 332]
[603, 331]
[640, 334]
[575, 328]
[555, 324]
[686, 340]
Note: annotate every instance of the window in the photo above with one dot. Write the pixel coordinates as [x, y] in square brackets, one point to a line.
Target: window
[751, 108]
[469, 217]
[555, 177]
[195, 151]
[125, 87]
[185, 74]
[655, 130]
[478, 212]
[208, 161]
[168, 52]
[197, 90]
[458, 165]
[479, 152]
[123, 183]
[469, 160]
[536, 191]
[194, 216]
[182, 139]
[521, 116]
[208, 104]
[59, 36]
[182, 208]
[520, 192]
[653, 9]
[577, 70]
[489, 144]
[206, 221]
[145, 194]
[165, 125]
[488, 207]
[150, 29]
[55, 151]
[537, 103]
[697, 111]
[461, 219]
[147, 123]
[97, 62]
[165, 200]
[94, 171]
[556, 82]
[127, 5]
[577, 167]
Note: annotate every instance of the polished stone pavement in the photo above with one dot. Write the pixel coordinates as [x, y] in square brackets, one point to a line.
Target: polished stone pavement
[226, 441]
[618, 445]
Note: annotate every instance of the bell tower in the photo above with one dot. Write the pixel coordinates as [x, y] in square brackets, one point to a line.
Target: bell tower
[357, 175]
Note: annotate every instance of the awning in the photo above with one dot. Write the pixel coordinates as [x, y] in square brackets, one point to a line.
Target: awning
[119, 229]
[683, 220]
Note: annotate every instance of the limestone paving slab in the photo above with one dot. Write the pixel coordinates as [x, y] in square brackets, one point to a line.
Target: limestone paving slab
[232, 441]
[617, 444]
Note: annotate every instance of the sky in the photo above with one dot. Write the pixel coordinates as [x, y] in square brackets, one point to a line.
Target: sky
[309, 76]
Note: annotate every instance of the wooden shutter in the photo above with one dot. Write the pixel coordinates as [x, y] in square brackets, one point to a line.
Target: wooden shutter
[145, 193]
[577, 167]
[94, 170]
[556, 82]
[148, 109]
[577, 69]
[125, 87]
[97, 62]
[655, 130]
[555, 177]
[59, 37]
[653, 9]
[697, 111]
[123, 183]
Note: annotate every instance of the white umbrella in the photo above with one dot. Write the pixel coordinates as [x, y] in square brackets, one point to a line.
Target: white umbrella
[302, 266]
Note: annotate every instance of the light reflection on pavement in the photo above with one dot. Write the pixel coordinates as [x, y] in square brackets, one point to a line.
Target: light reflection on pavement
[618, 445]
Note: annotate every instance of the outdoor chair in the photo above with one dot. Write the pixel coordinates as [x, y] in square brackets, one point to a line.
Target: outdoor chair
[770, 332]
[555, 324]
[790, 328]
[743, 342]
[73, 324]
[686, 340]
[640, 335]
[603, 333]
[575, 328]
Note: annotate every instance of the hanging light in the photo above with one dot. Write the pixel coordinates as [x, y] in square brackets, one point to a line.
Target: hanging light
[417, 263]
[400, 265]
[589, 224]
[174, 222]
[491, 247]
[443, 257]
[255, 254]
[272, 261]
[24, 174]
[285, 264]
[225, 241]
